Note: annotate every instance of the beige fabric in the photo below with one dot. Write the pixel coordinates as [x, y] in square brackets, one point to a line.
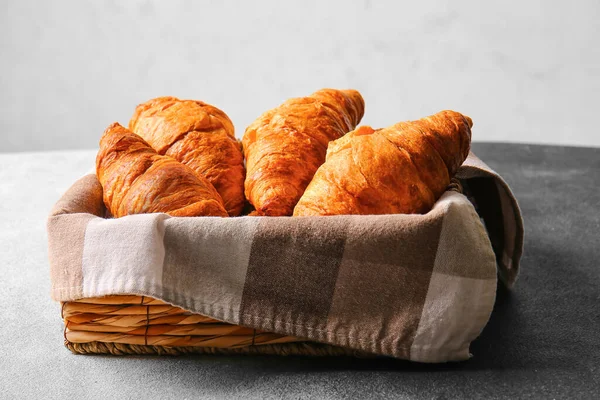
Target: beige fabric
[419, 287]
[510, 222]
[450, 317]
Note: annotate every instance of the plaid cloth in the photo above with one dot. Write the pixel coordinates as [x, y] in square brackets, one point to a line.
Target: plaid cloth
[417, 287]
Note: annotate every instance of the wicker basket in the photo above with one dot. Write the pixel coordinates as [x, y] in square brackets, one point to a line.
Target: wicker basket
[130, 324]
[165, 294]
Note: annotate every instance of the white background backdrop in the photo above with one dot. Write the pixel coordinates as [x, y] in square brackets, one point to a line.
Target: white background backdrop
[525, 71]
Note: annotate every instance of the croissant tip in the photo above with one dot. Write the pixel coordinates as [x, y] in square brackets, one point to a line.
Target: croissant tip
[112, 127]
[358, 102]
[469, 120]
[456, 114]
[351, 92]
[364, 130]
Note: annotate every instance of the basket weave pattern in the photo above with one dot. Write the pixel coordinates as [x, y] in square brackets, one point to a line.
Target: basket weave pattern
[130, 324]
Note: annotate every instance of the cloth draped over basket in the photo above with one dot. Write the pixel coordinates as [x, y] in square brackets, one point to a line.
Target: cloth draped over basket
[416, 287]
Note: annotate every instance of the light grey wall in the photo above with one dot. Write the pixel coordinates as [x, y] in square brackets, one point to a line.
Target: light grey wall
[525, 71]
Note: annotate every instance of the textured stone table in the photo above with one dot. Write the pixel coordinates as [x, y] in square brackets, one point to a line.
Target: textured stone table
[543, 339]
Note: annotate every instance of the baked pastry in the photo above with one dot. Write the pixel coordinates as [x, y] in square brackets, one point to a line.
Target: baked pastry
[285, 146]
[136, 180]
[198, 135]
[404, 168]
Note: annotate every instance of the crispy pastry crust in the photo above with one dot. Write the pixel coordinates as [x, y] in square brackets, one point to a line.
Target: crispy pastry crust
[285, 146]
[404, 168]
[136, 180]
[200, 136]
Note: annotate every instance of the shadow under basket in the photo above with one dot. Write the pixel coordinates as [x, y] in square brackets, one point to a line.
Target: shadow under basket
[129, 324]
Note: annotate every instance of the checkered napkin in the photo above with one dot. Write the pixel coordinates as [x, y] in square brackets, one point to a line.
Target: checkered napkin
[417, 287]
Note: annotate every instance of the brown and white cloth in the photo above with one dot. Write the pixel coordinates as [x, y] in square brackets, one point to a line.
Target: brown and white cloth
[417, 287]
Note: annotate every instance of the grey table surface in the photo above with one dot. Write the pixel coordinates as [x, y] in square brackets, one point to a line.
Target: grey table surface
[542, 341]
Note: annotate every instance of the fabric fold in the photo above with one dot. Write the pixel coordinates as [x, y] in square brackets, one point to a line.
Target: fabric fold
[500, 211]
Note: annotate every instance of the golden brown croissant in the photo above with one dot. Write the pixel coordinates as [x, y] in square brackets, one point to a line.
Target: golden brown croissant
[404, 168]
[285, 146]
[136, 180]
[198, 135]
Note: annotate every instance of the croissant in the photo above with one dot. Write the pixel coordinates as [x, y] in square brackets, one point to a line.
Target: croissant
[285, 146]
[404, 168]
[198, 135]
[136, 180]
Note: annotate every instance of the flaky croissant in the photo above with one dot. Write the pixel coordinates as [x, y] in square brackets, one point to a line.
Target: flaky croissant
[136, 180]
[198, 135]
[285, 146]
[404, 168]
